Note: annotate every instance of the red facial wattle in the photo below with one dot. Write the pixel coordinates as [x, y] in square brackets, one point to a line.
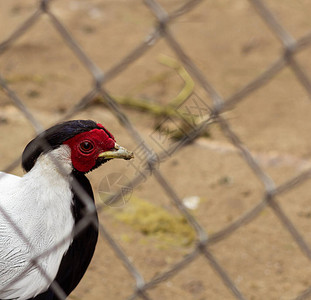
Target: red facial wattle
[85, 147]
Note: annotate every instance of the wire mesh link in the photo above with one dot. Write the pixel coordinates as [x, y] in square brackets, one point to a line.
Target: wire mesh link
[273, 23]
[220, 105]
[20, 30]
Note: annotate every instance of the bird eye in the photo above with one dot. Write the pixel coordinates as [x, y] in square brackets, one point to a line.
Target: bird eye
[86, 147]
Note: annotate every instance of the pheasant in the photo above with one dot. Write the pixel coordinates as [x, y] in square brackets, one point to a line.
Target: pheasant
[44, 205]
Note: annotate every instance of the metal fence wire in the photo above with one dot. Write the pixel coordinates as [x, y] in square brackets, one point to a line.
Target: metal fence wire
[162, 30]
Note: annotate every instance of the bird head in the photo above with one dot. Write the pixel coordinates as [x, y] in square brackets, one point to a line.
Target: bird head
[90, 143]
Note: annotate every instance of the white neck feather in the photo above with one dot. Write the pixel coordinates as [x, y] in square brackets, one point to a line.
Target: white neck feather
[40, 205]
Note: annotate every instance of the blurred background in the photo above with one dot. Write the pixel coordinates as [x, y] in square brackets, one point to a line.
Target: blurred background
[219, 93]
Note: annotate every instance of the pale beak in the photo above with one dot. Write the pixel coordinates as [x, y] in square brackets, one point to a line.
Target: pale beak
[117, 152]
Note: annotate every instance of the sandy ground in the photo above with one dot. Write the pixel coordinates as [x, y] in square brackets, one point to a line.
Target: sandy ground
[231, 45]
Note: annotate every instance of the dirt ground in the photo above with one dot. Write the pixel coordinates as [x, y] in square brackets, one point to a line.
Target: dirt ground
[231, 45]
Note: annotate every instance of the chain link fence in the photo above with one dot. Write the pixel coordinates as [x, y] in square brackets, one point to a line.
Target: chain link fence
[214, 114]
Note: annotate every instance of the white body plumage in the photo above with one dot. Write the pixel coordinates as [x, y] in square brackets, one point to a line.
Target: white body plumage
[39, 203]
